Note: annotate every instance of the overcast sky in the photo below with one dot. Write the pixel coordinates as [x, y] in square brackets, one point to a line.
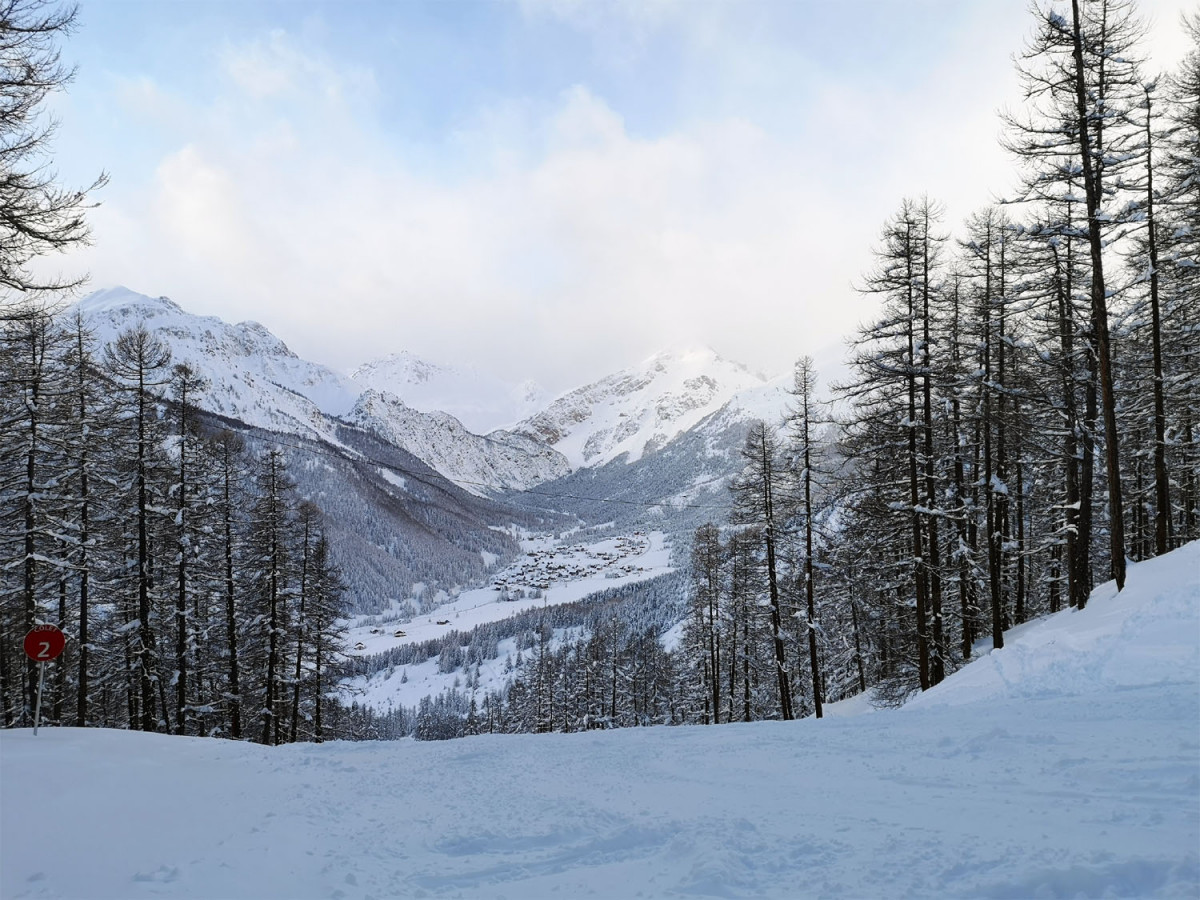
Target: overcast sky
[551, 189]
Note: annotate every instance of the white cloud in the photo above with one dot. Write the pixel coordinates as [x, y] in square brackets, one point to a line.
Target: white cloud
[557, 245]
[597, 252]
[636, 17]
[264, 68]
[198, 209]
[276, 65]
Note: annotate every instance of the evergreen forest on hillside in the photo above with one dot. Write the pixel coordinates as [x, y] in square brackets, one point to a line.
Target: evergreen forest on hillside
[1021, 416]
[194, 584]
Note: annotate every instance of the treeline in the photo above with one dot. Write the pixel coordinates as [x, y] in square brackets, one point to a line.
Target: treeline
[1021, 416]
[193, 583]
[610, 674]
[654, 603]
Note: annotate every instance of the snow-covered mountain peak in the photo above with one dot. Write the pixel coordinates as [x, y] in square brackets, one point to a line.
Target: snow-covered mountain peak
[454, 418]
[639, 409]
[124, 303]
[264, 339]
[699, 357]
[404, 367]
[253, 377]
[252, 374]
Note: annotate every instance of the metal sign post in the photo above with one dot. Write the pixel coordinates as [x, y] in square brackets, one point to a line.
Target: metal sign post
[42, 644]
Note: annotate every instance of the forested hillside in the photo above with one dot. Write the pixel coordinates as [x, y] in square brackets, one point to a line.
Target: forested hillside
[1022, 413]
[196, 585]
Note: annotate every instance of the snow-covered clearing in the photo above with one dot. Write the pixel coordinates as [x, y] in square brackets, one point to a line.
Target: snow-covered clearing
[1065, 765]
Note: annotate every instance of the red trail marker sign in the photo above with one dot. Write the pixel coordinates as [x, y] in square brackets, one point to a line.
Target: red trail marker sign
[42, 644]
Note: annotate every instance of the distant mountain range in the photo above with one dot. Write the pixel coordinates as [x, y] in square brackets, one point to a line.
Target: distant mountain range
[652, 443]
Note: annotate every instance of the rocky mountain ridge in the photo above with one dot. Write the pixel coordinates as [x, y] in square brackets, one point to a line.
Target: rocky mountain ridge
[639, 410]
[254, 378]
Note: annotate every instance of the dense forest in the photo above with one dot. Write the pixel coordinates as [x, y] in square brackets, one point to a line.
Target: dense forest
[195, 586]
[599, 662]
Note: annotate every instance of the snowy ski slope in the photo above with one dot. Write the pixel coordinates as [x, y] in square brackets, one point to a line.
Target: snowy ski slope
[1065, 765]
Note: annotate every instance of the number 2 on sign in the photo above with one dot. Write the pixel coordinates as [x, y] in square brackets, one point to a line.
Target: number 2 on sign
[43, 650]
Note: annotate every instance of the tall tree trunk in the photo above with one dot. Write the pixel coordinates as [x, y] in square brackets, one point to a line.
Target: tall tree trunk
[33, 410]
[809, 588]
[994, 535]
[60, 670]
[270, 732]
[85, 537]
[143, 653]
[1100, 312]
[234, 675]
[1162, 482]
[914, 490]
[1003, 521]
[785, 689]
[932, 564]
[181, 581]
[966, 582]
[1087, 476]
[1063, 286]
[300, 627]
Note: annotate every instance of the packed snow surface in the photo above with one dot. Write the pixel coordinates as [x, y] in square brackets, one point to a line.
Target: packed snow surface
[1065, 765]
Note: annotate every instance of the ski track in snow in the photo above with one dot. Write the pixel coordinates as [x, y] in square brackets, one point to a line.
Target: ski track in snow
[1065, 765]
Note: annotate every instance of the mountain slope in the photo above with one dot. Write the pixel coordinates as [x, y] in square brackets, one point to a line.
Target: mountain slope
[388, 531]
[654, 443]
[253, 376]
[500, 461]
[1119, 642]
[255, 379]
[679, 486]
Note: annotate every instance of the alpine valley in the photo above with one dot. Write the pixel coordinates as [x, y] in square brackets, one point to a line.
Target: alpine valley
[454, 500]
